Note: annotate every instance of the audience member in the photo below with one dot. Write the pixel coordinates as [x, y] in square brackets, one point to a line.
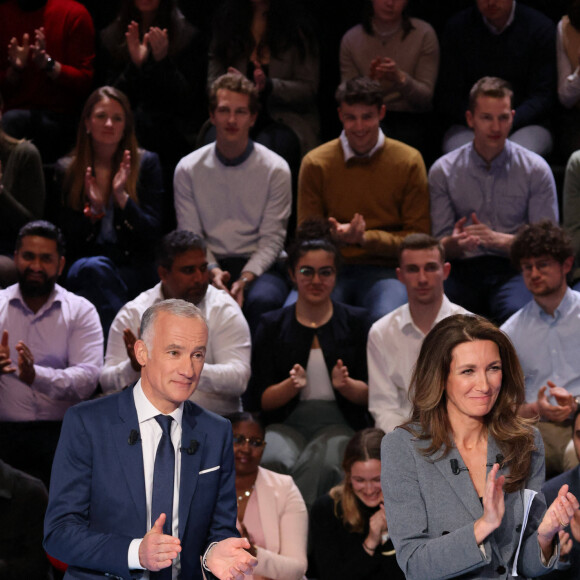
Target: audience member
[21, 195]
[182, 267]
[46, 70]
[112, 206]
[402, 53]
[158, 59]
[546, 335]
[395, 340]
[143, 480]
[271, 42]
[309, 370]
[481, 194]
[504, 39]
[350, 535]
[571, 211]
[373, 190]
[271, 511]
[461, 478]
[550, 489]
[23, 502]
[567, 50]
[236, 193]
[51, 351]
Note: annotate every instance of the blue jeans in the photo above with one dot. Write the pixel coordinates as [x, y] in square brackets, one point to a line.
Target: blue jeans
[372, 287]
[488, 286]
[267, 292]
[108, 286]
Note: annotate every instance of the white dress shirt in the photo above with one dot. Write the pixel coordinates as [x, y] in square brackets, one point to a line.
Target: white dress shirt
[227, 362]
[151, 432]
[392, 349]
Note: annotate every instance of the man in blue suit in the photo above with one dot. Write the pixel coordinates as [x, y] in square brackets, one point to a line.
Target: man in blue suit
[102, 518]
[550, 490]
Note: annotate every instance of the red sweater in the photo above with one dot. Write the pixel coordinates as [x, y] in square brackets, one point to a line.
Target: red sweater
[70, 40]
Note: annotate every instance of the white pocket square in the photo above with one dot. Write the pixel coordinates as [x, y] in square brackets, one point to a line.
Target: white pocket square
[208, 470]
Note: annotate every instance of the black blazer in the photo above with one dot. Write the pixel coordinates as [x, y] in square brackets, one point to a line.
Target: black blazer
[281, 342]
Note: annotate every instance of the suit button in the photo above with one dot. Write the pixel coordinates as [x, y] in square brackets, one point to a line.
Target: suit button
[501, 570]
[444, 533]
[519, 528]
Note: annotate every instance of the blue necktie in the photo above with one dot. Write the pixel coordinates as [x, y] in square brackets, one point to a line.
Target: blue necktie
[163, 476]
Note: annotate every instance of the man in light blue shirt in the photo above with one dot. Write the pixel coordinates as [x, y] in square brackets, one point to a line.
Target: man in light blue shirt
[546, 335]
[481, 194]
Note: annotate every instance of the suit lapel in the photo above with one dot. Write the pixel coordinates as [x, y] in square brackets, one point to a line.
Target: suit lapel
[268, 512]
[131, 456]
[461, 483]
[190, 463]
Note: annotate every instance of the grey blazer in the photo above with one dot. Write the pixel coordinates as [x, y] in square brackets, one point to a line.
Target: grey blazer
[430, 512]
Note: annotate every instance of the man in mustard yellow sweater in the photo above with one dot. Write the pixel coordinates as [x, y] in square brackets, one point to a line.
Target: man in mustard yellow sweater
[373, 191]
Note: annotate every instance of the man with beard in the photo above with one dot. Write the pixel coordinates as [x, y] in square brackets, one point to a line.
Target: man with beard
[183, 269]
[546, 335]
[51, 351]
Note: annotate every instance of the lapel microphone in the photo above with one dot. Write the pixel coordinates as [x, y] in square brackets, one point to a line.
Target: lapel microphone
[133, 437]
[456, 470]
[193, 447]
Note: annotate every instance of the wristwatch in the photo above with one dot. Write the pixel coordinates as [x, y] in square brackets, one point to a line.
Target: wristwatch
[577, 401]
[50, 64]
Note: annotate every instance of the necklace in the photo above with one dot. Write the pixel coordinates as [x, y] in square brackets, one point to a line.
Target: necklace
[245, 495]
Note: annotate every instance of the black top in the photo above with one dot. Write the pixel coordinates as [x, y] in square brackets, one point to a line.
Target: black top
[339, 554]
[281, 342]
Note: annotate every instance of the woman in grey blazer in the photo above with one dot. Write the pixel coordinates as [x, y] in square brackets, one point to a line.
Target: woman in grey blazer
[458, 476]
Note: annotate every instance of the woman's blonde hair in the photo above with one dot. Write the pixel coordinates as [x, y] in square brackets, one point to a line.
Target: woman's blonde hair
[364, 446]
[83, 156]
[430, 421]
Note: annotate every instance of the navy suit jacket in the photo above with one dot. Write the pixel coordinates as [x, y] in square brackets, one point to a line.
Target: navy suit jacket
[97, 502]
[550, 489]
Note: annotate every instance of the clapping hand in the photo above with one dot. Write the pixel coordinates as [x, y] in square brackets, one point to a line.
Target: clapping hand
[138, 51]
[18, 53]
[120, 180]
[130, 339]
[298, 376]
[230, 560]
[339, 375]
[158, 41]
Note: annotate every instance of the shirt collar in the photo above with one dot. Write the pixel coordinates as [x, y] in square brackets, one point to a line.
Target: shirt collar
[236, 160]
[493, 29]
[15, 296]
[561, 311]
[500, 161]
[146, 410]
[443, 312]
[349, 153]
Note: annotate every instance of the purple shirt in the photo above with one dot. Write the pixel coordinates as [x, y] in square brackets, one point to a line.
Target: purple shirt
[66, 339]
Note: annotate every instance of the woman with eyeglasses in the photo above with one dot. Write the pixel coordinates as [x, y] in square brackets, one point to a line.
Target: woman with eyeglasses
[271, 511]
[349, 531]
[309, 369]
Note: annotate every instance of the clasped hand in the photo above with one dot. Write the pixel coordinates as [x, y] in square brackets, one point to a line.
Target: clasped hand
[352, 232]
[564, 407]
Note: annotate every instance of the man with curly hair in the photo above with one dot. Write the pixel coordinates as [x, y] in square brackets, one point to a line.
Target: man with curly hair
[546, 335]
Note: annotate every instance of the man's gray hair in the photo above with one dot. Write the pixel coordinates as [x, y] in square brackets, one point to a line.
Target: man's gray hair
[174, 306]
